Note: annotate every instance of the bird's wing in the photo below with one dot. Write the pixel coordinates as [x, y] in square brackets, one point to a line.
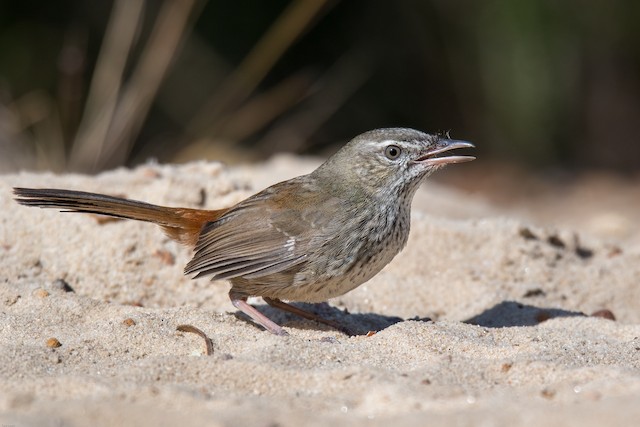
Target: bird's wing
[260, 236]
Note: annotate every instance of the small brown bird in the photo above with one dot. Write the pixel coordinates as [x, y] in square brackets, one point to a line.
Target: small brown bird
[307, 239]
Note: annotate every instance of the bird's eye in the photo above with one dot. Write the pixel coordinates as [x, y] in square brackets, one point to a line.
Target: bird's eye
[392, 152]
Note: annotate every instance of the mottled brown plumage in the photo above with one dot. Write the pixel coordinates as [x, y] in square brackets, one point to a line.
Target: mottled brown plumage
[308, 239]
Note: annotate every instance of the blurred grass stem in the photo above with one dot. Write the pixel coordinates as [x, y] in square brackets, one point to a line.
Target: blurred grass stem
[119, 114]
[253, 69]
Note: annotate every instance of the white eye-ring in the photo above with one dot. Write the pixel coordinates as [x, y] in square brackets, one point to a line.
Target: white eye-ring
[392, 152]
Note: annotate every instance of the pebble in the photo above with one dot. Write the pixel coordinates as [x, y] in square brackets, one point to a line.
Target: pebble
[53, 343]
[41, 293]
[128, 322]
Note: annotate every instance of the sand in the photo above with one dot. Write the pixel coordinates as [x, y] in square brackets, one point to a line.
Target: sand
[484, 319]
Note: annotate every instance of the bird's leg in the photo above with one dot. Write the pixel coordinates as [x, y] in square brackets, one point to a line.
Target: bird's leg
[241, 304]
[273, 302]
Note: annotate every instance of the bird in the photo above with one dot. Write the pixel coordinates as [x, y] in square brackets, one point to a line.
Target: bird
[307, 239]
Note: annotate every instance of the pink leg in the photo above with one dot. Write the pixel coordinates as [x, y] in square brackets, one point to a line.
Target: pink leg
[305, 314]
[242, 305]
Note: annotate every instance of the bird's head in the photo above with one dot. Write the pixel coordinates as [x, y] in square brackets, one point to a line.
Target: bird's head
[393, 159]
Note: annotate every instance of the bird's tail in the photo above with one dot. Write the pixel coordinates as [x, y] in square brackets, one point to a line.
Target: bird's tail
[181, 224]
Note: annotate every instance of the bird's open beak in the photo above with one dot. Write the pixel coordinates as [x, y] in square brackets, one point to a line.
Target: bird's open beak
[431, 157]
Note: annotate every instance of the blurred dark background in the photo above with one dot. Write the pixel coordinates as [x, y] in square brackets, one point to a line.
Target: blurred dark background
[91, 85]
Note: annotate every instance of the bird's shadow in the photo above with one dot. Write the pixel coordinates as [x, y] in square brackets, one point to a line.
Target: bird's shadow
[512, 313]
[356, 323]
[502, 315]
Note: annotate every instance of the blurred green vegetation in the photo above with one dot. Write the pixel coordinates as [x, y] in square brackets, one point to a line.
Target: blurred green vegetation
[90, 85]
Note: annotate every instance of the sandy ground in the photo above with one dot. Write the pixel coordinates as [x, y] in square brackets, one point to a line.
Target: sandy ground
[89, 312]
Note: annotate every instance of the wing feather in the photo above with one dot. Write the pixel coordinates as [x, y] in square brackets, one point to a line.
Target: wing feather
[245, 242]
[249, 242]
